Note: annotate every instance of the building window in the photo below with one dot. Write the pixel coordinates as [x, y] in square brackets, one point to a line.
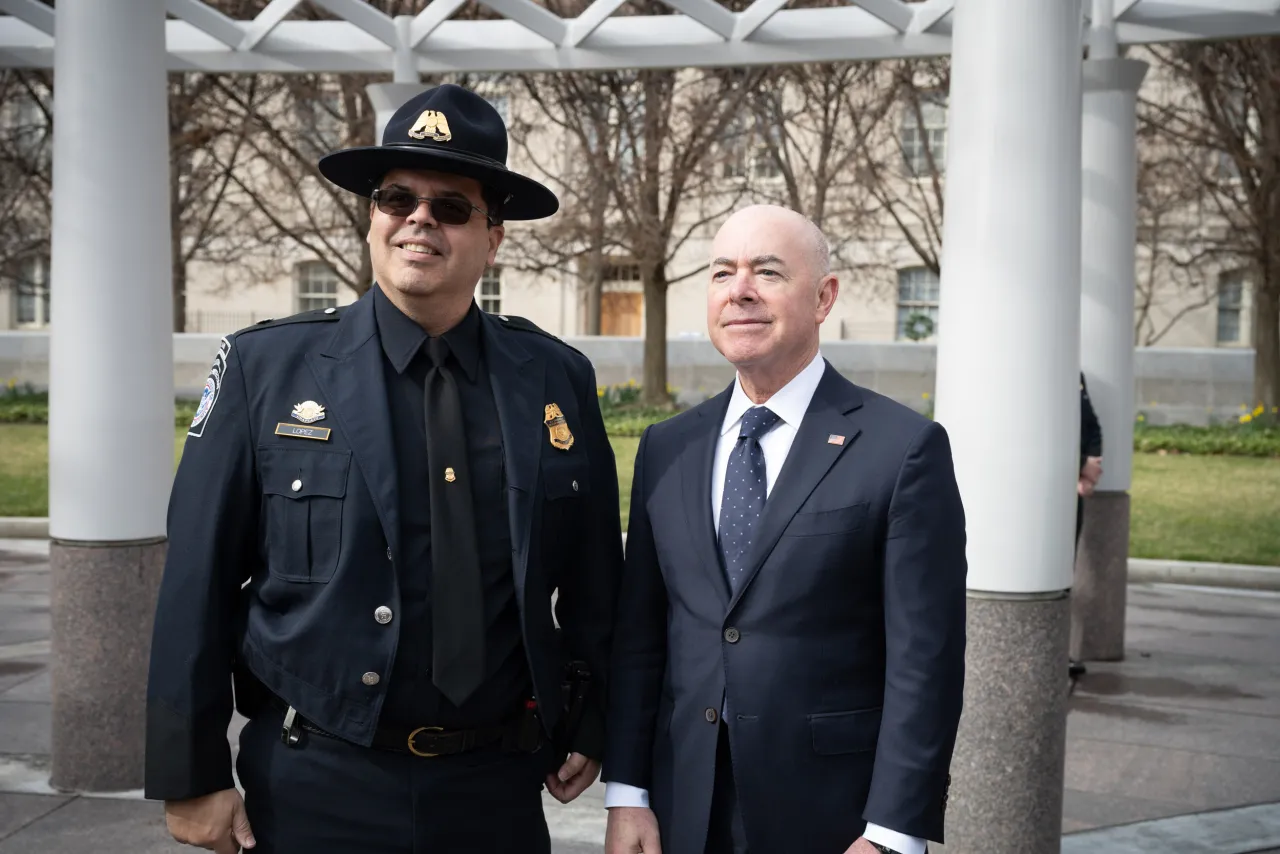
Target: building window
[917, 304]
[317, 286]
[490, 290]
[1230, 306]
[919, 142]
[32, 294]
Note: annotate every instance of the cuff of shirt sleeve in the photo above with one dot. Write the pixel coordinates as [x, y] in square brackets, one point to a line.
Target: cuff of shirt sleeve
[623, 795]
[899, 842]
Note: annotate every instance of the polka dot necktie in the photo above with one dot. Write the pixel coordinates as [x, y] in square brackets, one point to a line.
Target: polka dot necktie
[745, 489]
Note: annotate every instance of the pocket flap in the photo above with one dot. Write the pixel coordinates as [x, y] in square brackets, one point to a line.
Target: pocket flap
[300, 473]
[837, 521]
[845, 732]
[566, 481]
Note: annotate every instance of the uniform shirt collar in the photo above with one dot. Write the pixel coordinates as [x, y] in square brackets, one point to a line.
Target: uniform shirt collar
[403, 339]
[789, 403]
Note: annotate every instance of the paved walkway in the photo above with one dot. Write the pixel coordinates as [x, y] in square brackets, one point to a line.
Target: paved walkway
[1188, 724]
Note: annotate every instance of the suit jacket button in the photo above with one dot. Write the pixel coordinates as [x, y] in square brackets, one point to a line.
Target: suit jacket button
[382, 614]
[731, 635]
[369, 678]
[712, 716]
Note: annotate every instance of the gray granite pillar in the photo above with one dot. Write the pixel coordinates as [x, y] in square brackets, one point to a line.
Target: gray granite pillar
[1101, 579]
[102, 606]
[1007, 772]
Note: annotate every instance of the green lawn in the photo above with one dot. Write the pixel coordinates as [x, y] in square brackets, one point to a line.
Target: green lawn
[1185, 507]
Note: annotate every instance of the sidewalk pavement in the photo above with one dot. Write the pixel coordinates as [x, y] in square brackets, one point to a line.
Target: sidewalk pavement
[1169, 744]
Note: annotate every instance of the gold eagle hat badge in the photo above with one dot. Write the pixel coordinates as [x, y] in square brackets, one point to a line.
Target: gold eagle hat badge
[431, 125]
[561, 438]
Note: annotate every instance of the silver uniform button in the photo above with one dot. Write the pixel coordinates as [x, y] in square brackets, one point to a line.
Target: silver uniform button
[388, 552]
[297, 485]
[369, 678]
[575, 486]
[330, 310]
[382, 614]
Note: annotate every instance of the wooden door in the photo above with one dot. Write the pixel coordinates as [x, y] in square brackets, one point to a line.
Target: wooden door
[621, 313]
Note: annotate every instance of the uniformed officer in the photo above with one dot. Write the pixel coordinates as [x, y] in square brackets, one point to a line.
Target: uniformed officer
[374, 509]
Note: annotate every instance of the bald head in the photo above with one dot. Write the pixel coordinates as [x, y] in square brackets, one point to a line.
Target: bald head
[806, 243]
[771, 288]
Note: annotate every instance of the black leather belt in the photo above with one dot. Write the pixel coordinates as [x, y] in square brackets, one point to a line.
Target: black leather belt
[423, 741]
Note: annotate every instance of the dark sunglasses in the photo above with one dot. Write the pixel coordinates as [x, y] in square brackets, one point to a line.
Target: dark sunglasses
[447, 211]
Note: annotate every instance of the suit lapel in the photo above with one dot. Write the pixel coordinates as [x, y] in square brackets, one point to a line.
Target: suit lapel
[810, 458]
[695, 475]
[349, 372]
[518, 382]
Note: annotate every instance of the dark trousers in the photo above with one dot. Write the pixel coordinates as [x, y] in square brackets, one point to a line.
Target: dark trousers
[326, 795]
[725, 834]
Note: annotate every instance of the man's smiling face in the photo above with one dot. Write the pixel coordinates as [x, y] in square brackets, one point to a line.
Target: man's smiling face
[419, 256]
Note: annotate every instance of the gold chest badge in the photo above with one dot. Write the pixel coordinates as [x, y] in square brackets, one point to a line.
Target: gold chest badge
[561, 438]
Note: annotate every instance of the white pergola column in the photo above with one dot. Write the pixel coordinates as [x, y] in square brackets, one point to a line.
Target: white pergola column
[111, 408]
[1008, 395]
[389, 97]
[386, 99]
[1107, 274]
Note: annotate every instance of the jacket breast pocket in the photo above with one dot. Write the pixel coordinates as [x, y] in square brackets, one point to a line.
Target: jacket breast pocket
[303, 491]
[819, 523]
[566, 481]
[835, 733]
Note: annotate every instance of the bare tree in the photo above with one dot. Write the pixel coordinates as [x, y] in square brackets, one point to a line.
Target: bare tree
[204, 156]
[1221, 117]
[1173, 263]
[902, 161]
[292, 122]
[201, 228]
[26, 179]
[648, 136]
[802, 142]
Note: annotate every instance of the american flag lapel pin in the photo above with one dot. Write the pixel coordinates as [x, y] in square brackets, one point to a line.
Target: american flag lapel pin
[834, 439]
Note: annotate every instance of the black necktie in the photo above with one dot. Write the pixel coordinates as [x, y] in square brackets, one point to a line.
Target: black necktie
[745, 488]
[457, 597]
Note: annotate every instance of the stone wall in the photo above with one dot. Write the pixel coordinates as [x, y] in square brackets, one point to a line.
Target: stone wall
[1172, 385]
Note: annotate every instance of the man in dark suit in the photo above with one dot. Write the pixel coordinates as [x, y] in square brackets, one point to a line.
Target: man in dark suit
[374, 508]
[788, 670]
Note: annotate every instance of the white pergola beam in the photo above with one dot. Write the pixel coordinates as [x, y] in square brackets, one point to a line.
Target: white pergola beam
[926, 15]
[268, 19]
[709, 13]
[364, 16]
[533, 39]
[1122, 8]
[895, 13]
[533, 18]
[208, 20]
[30, 12]
[435, 14]
[591, 18]
[755, 17]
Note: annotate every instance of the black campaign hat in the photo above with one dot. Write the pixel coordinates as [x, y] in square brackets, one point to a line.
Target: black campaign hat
[445, 129]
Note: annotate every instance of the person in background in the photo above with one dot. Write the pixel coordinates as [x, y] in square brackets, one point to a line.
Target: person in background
[1090, 474]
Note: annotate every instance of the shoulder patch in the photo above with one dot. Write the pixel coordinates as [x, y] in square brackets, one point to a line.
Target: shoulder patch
[212, 388]
[524, 324]
[319, 315]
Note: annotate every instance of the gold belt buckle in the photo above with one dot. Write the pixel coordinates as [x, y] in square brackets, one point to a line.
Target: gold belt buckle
[415, 751]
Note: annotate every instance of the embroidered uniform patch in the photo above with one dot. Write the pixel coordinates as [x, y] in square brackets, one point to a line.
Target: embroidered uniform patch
[212, 387]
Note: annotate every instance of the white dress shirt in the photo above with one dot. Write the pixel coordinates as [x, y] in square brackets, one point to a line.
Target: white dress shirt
[789, 403]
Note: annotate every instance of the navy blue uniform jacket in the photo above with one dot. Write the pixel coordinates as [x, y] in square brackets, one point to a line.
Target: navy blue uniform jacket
[841, 656]
[281, 548]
